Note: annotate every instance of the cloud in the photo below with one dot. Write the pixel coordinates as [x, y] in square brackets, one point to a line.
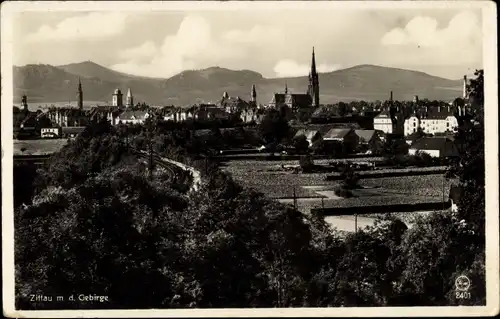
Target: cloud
[290, 68]
[458, 43]
[92, 26]
[263, 35]
[424, 32]
[193, 46]
[144, 51]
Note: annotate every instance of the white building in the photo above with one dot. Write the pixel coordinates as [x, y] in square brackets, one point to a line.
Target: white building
[133, 117]
[49, 132]
[431, 121]
[383, 122]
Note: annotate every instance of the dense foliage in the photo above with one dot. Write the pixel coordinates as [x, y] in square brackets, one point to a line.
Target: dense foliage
[98, 225]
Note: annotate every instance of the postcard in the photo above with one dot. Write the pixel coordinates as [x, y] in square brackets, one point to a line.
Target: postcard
[249, 158]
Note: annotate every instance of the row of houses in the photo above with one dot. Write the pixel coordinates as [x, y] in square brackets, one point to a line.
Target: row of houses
[436, 146]
[349, 137]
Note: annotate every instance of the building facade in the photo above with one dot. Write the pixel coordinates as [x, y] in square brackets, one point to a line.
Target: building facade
[431, 121]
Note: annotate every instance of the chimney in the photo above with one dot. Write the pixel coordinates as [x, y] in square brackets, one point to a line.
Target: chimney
[390, 99]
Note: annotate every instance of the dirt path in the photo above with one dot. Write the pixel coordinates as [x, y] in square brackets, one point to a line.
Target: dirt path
[196, 184]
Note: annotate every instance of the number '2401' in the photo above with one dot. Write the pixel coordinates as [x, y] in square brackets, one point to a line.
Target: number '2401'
[462, 295]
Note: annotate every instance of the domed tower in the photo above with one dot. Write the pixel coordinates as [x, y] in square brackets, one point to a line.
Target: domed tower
[130, 98]
[118, 98]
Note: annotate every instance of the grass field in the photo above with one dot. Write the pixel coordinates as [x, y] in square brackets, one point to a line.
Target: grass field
[38, 147]
[266, 178]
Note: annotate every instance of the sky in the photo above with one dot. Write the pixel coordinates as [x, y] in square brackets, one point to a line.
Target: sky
[275, 43]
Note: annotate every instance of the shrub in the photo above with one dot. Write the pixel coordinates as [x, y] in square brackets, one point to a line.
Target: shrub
[343, 192]
[306, 163]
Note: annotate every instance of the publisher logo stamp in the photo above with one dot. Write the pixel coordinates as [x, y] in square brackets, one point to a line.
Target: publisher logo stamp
[462, 283]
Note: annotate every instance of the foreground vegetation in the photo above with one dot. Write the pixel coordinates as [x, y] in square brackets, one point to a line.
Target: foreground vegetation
[98, 225]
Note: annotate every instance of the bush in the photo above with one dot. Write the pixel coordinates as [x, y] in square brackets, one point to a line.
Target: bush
[343, 192]
[306, 163]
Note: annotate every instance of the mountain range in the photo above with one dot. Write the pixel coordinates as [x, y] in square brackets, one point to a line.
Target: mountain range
[44, 84]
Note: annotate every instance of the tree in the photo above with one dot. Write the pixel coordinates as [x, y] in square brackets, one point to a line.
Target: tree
[301, 144]
[274, 127]
[306, 163]
[475, 91]
[342, 109]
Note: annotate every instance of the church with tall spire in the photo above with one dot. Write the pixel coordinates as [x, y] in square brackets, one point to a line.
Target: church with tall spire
[307, 100]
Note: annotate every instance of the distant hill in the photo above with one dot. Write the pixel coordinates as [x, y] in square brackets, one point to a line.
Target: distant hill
[46, 83]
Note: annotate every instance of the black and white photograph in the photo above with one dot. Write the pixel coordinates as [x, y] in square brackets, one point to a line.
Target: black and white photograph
[249, 158]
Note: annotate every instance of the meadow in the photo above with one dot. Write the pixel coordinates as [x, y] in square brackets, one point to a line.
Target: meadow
[268, 178]
[39, 146]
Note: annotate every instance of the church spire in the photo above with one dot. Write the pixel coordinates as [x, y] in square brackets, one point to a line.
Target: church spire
[253, 94]
[80, 94]
[313, 64]
[130, 99]
[313, 89]
[286, 88]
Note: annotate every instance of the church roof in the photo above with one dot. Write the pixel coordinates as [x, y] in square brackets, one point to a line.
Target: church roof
[294, 99]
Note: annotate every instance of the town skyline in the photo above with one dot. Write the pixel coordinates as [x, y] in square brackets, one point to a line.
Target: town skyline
[421, 40]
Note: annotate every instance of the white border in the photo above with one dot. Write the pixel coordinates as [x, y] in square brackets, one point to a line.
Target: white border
[491, 152]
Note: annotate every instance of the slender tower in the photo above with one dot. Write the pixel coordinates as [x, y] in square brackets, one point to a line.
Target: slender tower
[253, 95]
[80, 95]
[314, 82]
[24, 102]
[286, 88]
[464, 93]
[130, 98]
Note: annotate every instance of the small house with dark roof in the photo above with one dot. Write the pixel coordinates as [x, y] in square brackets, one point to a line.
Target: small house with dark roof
[346, 136]
[434, 146]
[312, 136]
[367, 136]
